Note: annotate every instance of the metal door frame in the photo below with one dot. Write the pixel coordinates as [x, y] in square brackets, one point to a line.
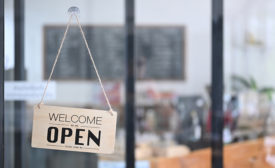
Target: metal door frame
[2, 53]
[217, 85]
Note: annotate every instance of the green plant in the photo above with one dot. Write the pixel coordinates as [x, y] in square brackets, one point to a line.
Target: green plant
[240, 83]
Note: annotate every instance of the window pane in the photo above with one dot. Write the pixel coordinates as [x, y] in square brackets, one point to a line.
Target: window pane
[249, 83]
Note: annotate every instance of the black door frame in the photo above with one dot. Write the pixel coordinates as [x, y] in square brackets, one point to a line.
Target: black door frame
[130, 83]
[2, 53]
[217, 83]
[19, 75]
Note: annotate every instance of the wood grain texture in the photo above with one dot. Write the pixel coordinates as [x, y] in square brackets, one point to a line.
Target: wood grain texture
[246, 154]
[82, 130]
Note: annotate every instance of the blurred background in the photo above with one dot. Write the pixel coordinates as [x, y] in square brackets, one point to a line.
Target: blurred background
[173, 79]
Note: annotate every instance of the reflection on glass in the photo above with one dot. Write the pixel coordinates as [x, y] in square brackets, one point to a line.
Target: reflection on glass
[173, 80]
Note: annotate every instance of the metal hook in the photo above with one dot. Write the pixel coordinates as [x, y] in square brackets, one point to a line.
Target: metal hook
[74, 10]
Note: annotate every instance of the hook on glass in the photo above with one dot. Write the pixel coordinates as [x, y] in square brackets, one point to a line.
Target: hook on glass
[74, 10]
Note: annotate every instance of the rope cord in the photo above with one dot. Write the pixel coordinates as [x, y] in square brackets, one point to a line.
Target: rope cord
[91, 57]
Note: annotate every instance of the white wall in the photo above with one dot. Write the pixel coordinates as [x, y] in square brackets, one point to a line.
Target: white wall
[195, 15]
[258, 18]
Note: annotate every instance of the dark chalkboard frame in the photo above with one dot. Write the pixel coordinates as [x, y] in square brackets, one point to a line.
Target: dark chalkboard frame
[184, 39]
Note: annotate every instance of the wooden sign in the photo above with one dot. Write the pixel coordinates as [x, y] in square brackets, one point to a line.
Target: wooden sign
[74, 129]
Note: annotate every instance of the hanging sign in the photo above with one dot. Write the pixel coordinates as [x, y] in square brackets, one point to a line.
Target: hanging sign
[74, 129]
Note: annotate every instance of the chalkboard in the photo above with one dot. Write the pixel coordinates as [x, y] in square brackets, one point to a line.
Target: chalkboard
[159, 52]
